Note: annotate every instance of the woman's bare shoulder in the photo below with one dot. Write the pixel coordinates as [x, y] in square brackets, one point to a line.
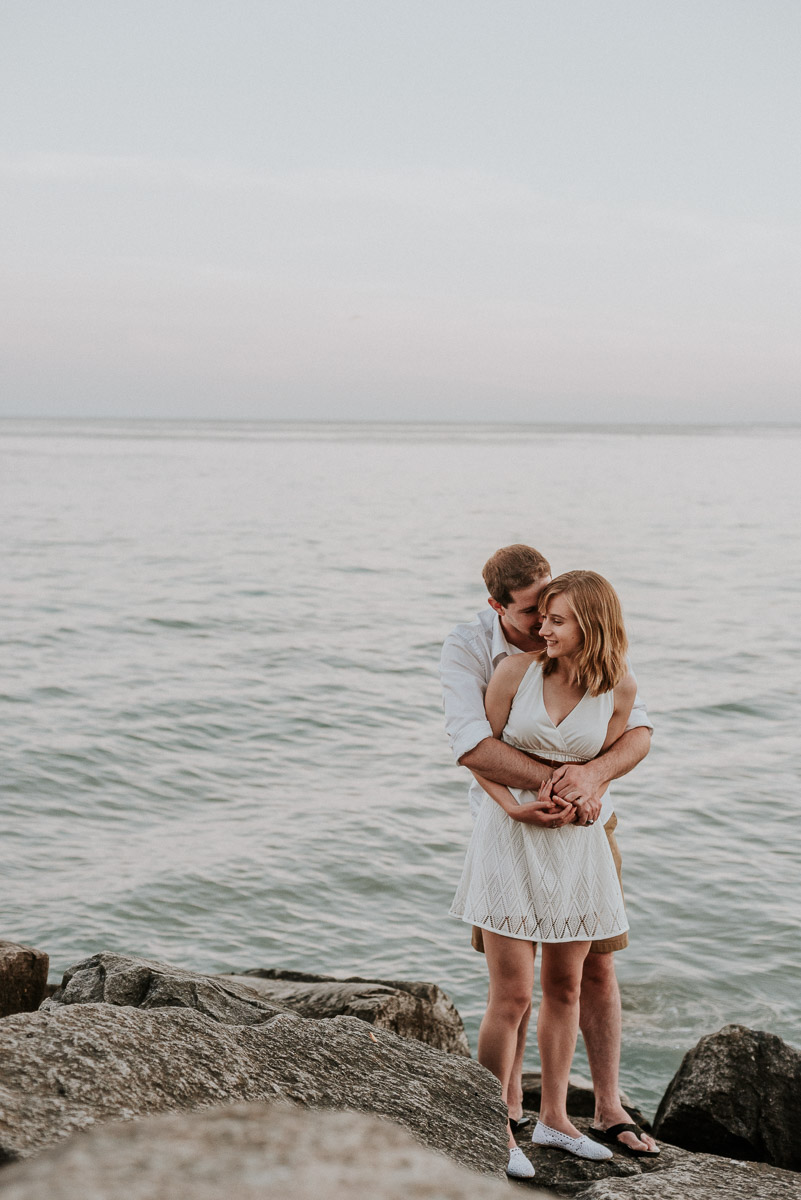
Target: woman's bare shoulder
[510, 670]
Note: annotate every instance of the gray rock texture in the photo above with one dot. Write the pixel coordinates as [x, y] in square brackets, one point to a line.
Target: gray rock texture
[123, 979]
[23, 978]
[675, 1175]
[564, 1173]
[738, 1094]
[700, 1177]
[415, 1010]
[73, 1065]
[247, 1152]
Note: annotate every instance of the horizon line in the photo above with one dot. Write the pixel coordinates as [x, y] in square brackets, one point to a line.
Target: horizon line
[389, 422]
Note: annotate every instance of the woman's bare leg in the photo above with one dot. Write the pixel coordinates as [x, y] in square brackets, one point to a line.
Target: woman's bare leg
[511, 969]
[557, 1027]
[514, 1099]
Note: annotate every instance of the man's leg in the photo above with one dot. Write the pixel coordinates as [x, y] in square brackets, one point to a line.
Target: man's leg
[600, 1022]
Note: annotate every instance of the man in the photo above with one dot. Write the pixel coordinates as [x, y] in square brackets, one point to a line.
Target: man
[515, 576]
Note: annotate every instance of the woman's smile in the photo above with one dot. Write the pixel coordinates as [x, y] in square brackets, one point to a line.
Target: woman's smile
[560, 629]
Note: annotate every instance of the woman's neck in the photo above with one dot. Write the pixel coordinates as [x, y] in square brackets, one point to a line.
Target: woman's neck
[565, 672]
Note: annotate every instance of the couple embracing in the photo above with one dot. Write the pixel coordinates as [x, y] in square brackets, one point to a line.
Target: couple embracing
[542, 708]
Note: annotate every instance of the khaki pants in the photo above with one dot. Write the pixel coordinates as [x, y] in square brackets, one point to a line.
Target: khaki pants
[603, 945]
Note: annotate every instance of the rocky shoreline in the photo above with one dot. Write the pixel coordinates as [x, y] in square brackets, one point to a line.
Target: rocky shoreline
[139, 1079]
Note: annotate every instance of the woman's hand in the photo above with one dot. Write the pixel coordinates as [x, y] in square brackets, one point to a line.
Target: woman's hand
[547, 811]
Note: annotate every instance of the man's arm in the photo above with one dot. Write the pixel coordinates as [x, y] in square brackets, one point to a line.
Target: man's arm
[465, 674]
[580, 782]
[585, 783]
[505, 764]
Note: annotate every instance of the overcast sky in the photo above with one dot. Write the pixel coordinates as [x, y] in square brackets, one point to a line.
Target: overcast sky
[537, 210]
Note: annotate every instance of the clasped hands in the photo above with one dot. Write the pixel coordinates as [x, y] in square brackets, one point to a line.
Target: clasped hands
[570, 797]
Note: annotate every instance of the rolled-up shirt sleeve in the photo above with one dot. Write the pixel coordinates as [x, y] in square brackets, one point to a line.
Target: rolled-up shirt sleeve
[639, 718]
[464, 682]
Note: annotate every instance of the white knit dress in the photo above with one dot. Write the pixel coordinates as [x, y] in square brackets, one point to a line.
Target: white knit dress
[543, 885]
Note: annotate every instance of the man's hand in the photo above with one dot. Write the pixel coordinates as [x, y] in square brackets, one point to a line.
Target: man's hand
[579, 784]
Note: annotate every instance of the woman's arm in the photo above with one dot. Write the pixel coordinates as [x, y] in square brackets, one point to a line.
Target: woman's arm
[625, 693]
[502, 689]
[547, 810]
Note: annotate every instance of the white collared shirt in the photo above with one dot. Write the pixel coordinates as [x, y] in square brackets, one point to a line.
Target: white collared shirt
[470, 654]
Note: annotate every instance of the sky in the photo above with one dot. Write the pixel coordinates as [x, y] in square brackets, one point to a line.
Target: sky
[451, 210]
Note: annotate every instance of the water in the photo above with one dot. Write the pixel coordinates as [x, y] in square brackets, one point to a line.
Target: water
[222, 725]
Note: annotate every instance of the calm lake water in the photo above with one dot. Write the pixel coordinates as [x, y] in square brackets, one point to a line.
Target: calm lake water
[221, 715]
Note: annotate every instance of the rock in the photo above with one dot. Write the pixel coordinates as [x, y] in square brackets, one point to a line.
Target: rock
[23, 978]
[250, 1152]
[737, 1093]
[564, 1173]
[580, 1098]
[144, 983]
[699, 1177]
[74, 1065]
[416, 1010]
[675, 1175]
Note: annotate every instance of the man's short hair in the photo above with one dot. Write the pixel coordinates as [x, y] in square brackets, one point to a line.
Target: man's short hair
[512, 568]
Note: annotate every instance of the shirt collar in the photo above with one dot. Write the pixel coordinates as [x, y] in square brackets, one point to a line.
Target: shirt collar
[500, 647]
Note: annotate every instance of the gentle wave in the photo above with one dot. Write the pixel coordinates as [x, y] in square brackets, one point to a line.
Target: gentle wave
[223, 721]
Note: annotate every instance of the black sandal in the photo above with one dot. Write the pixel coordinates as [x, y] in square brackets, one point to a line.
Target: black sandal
[610, 1137]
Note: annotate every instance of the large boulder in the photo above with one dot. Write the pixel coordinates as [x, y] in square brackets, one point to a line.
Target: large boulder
[737, 1093]
[124, 979]
[23, 978]
[416, 1010]
[73, 1065]
[697, 1177]
[250, 1152]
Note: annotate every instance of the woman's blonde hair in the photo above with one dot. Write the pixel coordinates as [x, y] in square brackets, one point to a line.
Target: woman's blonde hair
[601, 662]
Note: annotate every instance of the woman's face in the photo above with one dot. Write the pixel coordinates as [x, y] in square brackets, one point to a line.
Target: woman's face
[560, 630]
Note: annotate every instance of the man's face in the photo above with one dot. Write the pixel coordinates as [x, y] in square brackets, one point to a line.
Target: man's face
[521, 619]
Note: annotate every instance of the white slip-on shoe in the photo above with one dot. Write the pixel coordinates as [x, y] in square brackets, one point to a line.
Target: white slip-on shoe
[519, 1166]
[582, 1147]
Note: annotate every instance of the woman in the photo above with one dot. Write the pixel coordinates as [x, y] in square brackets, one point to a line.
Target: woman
[531, 873]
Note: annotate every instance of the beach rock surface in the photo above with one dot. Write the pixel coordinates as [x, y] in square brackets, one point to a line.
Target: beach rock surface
[410, 1009]
[737, 1093]
[124, 979]
[698, 1177]
[70, 1066]
[23, 978]
[247, 1151]
[565, 1174]
[675, 1174]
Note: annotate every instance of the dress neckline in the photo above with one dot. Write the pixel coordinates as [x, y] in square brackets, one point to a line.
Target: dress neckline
[568, 715]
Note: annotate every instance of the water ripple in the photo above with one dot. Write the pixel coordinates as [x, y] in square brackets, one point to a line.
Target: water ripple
[223, 725]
